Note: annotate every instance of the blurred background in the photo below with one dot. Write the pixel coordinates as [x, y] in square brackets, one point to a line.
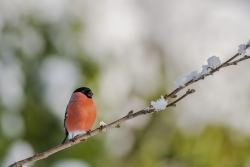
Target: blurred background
[129, 53]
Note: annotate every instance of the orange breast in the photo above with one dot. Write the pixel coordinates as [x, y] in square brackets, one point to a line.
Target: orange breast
[81, 114]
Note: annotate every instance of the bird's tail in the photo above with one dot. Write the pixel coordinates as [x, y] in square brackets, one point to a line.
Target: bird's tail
[66, 139]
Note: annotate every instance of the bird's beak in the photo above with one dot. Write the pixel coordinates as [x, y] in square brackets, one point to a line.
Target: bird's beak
[90, 94]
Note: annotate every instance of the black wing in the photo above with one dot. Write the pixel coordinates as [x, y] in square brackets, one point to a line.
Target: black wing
[66, 131]
[65, 117]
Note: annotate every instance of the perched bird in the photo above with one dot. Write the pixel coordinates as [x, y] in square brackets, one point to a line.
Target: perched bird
[80, 113]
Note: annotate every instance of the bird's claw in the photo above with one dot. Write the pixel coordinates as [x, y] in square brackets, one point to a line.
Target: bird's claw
[73, 140]
[88, 132]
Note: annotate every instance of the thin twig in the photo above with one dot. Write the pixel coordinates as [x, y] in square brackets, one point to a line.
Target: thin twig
[228, 61]
[183, 96]
[237, 61]
[223, 65]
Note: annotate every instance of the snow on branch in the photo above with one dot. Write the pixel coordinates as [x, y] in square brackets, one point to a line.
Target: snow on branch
[159, 104]
[213, 66]
[213, 62]
[242, 49]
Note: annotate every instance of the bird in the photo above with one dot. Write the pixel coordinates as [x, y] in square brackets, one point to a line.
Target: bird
[80, 113]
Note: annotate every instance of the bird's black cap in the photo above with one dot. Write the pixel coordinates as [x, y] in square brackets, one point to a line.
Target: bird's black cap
[86, 91]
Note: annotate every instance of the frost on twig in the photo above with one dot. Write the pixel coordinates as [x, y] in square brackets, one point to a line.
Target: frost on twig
[159, 104]
[103, 126]
[186, 80]
[102, 123]
[213, 62]
[242, 49]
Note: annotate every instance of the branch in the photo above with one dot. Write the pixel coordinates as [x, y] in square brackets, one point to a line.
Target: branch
[83, 138]
[237, 61]
[130, 115]
[173, 104]
[223, 65]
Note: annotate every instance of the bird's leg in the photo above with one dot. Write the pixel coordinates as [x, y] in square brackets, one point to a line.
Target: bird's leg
[73, 138]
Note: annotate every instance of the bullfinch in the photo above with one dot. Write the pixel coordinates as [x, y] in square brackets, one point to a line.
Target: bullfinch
[80, 113]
